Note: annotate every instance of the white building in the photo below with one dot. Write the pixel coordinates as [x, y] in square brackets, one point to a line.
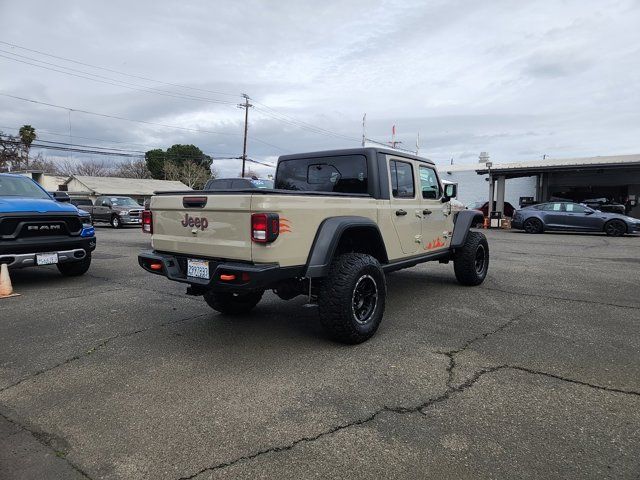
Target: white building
[475, 188]
[81, 186]
[49, 182]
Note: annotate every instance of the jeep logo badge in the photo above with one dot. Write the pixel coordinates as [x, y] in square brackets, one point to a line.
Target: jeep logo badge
[197, 222]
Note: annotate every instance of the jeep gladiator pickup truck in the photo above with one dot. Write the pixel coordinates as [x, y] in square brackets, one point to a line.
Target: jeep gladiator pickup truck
[35, 229]
[334, 224]
[114, 210]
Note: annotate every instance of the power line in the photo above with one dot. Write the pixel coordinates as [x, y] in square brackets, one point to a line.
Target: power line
[145, 145]
[109, 81]
[266, 110]
[299, 123]
[136, 121]
[77, 110]
[115, 71]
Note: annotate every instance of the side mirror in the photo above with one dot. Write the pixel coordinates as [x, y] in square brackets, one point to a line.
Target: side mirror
[450, 191]
[61, 196]
[589, 212]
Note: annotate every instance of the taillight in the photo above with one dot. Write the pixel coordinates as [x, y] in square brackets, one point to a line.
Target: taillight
[147, 221]
[265, 227]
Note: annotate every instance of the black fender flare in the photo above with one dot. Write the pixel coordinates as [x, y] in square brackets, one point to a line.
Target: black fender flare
[327, 239]
[464, 220]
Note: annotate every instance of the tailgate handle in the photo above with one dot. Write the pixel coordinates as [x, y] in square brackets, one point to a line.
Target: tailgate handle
[194, 202]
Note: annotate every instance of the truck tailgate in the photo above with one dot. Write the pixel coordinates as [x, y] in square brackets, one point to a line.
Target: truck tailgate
[219, 229]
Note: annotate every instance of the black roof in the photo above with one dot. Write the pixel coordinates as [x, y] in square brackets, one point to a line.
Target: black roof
[354, 151]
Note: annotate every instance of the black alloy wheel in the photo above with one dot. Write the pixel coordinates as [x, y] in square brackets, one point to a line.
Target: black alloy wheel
[480, 260]
[532, 225]
[615, 228]
[364, 299]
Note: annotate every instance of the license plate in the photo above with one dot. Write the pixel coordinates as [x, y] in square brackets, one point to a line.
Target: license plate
[198, 268]
[47, 258]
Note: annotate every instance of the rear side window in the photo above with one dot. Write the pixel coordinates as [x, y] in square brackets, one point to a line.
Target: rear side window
[259, 183]
[401, 179]
[552, 207]
[218, 185]
[340, 174]
[574, 207]
[240, 183]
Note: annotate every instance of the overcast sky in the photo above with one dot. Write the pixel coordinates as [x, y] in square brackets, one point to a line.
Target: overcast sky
[517, 79]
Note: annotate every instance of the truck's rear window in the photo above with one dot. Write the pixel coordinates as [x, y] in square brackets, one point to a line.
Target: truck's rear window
[343, 174]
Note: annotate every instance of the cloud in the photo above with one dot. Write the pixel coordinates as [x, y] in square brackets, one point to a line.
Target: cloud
[516, 79]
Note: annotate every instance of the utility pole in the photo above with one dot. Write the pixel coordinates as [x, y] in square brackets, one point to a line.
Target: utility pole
[246, 106]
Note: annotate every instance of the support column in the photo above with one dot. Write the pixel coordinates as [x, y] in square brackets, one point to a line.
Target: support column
[500, 194]
[545, 187]
[491, 189]
[538, 197]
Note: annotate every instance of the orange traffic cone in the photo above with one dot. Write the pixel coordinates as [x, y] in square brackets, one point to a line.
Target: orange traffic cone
[6, 289]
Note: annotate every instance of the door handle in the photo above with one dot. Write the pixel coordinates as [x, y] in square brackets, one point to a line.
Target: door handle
[426, 212]
[401, 212]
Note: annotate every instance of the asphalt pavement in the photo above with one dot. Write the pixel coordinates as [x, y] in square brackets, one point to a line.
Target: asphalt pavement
[535, 374]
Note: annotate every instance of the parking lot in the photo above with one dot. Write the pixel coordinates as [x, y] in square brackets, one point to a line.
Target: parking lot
[534, 374]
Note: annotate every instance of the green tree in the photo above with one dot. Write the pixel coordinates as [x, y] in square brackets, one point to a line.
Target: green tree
[27, 136]
[155, 162]
[181, 153]
[177, 155]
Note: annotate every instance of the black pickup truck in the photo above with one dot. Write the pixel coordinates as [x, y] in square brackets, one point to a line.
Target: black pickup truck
[36, 229]
[114, 210]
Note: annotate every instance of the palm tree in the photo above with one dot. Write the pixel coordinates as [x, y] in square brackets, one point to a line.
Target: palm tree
[27, 136]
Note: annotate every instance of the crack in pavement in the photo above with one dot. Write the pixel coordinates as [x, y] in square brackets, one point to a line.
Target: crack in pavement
[45, 439]
[450, 354]
[446, 395]
[57, 444]
[538, 295]
[97, 347]
[400, 410]
[451, 390]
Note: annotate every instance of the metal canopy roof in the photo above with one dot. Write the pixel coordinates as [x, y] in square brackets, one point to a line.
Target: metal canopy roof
[556, 164]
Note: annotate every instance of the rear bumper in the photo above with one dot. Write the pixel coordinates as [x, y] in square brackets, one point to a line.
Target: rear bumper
[22, 253]
[248, 276]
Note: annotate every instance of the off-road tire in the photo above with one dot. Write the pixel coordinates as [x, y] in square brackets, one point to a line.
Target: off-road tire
[75, 269]
[533, 225]
[348, 293]
[471, 262]
[116, 222]
[615, 228]
[232, 303]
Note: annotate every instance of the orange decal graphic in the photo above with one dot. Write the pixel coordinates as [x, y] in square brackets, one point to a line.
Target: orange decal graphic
[285, 225]
[437, 243]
